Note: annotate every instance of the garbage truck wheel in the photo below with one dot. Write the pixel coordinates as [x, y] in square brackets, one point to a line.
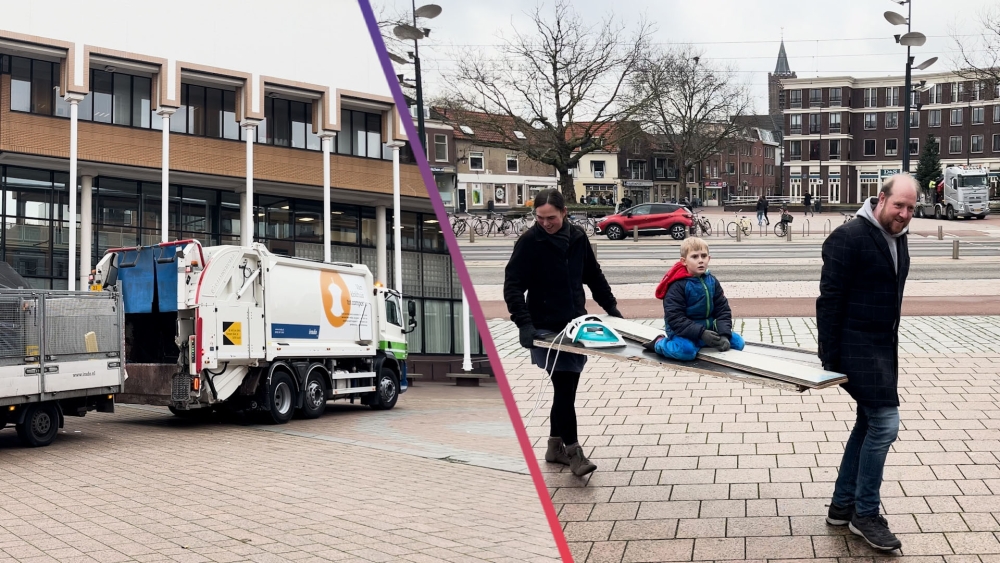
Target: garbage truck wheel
[314, 402]
[40, 426]
[280, 397]
[386, 390]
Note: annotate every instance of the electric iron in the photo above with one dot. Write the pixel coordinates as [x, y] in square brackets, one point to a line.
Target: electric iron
[591, 332]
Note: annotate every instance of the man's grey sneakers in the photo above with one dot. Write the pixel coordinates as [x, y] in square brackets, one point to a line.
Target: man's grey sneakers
[556, 452]
[875, 531]
[578, 463]
[839, 515]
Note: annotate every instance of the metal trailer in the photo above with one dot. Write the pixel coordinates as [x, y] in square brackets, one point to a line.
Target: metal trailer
[61, 354]
[247, 330]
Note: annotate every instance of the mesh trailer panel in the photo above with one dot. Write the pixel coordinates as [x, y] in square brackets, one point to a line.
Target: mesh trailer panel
[20, 326]
[81, 326]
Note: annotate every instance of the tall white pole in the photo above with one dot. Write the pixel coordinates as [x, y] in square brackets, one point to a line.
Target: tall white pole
[86, 228]
[74, 110]
[165, 113]
[397, 229]
[466, 336]
[246, 238]
[326, 198]
[380, 258]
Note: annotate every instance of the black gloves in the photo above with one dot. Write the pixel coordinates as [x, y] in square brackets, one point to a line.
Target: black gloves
[713, 339]
[526, 335]
[614, 312]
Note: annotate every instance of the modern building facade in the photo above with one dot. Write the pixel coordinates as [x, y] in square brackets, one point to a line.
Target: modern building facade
[231, 156]
[844, 135]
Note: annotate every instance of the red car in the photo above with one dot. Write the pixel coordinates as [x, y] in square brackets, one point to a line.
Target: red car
[658, 218]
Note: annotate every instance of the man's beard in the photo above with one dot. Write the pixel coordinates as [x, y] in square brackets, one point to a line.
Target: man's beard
[888, 224]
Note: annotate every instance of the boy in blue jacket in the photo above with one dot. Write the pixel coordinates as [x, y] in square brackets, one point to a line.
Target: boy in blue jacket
[695, 310]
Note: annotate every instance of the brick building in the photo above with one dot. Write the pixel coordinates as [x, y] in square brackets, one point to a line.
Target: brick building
[843, 135]
[217, 120]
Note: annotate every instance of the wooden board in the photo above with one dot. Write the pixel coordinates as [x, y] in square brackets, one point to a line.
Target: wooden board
[769, 361]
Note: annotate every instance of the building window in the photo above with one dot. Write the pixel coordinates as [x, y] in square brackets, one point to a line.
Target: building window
[914, 119]
[957, 89]
[934, 118]
[891, 120]
[890, 147]
[476, 161]
[996, 143]
[814, 122]
[835, 123]
[440, 148]
[871, 120]
[500, 194]
[835, 97]
[815, 97]
[996, 114]
[914, 147]
[637, 169]
[814, 150]
[512, 163]
[731, 168]
[206, 112]
[956, 116]
[871, 98]
[360, 132]
[978, 115]
[795, 98]
[795, 123]
[745, 168]
[597, 168]
[795, 150]
[977, 90]
[954, 145]
[935, 94]
[977, 143]
[835, 149]
[869, 147]
[659, 164]
[892, 95]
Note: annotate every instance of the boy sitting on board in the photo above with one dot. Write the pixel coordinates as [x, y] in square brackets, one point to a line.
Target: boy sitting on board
[695, 310]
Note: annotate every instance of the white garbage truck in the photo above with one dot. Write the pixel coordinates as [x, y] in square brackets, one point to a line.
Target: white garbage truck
[964, 193]
[61, 354]
[249, 330]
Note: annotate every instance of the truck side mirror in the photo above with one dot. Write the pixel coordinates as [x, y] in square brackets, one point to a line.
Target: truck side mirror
[411, 308]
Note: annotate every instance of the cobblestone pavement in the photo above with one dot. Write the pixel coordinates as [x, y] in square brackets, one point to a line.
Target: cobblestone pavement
[435, 479]
[703, 468]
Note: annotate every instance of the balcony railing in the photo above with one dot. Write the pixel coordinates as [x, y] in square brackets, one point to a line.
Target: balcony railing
[835, 128]
[815, 102]
[795, 130]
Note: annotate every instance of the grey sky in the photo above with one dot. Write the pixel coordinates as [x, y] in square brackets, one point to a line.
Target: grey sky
[849, 37]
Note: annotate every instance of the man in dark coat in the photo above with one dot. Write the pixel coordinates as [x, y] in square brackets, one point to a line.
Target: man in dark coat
[807, 203]
[865, 263]
[552, 261]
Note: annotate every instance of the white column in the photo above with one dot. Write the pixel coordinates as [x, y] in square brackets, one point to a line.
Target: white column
[397, 228]
[380, 259]
[466, 336]
[326, 139]
[165, 113]
[246, 211]
[86, 228]
[74, 109]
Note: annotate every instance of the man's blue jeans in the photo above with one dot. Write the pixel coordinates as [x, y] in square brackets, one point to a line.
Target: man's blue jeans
[860, 476]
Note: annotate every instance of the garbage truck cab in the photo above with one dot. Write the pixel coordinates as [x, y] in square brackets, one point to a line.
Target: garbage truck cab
[251, 330]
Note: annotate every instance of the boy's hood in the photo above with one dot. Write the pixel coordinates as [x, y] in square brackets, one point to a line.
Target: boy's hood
[676, 272]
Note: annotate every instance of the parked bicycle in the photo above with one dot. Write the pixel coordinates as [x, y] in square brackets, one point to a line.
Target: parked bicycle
[700, 225]
[847, 216]
[743, 224]
[782, 227]
[458, 224]
[588, 224]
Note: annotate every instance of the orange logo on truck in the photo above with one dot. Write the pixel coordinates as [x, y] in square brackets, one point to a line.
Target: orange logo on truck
[336, 298]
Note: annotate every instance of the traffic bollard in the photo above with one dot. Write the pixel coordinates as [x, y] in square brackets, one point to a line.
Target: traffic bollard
[739, 233]
[472, 234]
[593, 248]
[635, 234]
[788, 233]
[940, 232]
[954, 249]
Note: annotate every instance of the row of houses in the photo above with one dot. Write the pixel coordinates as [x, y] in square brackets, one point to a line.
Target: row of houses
[474, 172]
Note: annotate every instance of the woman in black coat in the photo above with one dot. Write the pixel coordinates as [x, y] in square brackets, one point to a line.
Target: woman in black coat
[551, 262]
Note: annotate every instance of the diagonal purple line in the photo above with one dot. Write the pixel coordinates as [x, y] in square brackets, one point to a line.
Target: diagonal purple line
[463, 274]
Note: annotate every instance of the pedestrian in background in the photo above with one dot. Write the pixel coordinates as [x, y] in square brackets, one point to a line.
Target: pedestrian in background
[807, 204]
[551, 262]
[865, 264]
[761, 207]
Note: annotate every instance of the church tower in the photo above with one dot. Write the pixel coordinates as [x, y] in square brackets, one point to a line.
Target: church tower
[775, 93]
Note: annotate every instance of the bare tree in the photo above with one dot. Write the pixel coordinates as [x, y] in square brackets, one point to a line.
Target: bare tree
[691, 105]
[979, 57]
[553, 92]
[388, 18]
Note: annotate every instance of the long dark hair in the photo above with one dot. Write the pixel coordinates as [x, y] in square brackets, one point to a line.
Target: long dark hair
[551, 197]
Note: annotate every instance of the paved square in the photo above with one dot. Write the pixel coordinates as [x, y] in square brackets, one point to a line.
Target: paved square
[438, 478]
[699, 468]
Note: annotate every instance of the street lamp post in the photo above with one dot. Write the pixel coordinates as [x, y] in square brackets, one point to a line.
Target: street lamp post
[414, 33]
[909, 39]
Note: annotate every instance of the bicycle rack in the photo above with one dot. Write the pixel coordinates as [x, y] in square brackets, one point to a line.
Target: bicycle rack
[806, 231]
[827, 228]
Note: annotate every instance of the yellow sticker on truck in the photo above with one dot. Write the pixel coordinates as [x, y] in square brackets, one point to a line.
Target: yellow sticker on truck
[232, 334]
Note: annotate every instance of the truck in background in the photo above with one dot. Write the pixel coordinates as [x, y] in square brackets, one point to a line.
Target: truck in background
[61, 354]
[965, 193]
[246, 329]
